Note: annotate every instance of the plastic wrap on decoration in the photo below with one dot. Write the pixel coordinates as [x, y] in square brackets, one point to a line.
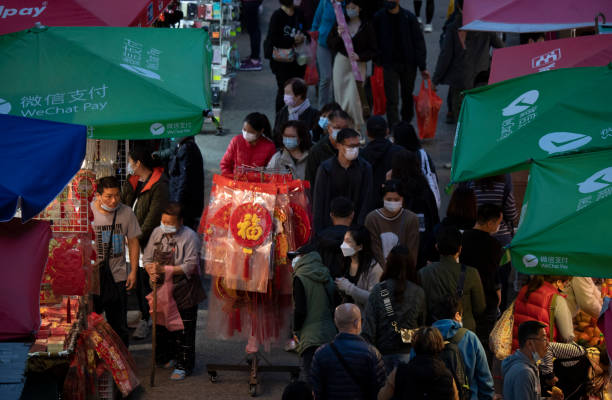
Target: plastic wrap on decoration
[215, 226]
[69, 264]
[299, 193]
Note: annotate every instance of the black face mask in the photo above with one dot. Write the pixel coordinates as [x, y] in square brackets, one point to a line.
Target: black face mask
[389, 5]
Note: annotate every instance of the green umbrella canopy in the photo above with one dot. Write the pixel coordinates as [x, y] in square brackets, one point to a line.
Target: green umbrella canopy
[565, 226]
[123, 83]
[505, 125]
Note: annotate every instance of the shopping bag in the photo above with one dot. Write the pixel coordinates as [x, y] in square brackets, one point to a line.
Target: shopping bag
[500, 339]
[311, 77]
[379, 100]
[167, 311]
[427, 105]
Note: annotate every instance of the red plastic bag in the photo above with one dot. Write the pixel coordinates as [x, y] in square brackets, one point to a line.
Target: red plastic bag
[311, 77]
[427, 105]
[167, 311]
[377, 81]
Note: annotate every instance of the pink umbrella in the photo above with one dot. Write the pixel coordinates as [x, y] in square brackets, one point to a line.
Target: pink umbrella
[17, 15]
[584, 51]
[532, 15]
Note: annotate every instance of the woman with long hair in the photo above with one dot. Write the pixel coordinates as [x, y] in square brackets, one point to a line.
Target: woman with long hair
[462, 210]
[361, 271]
[419, 199]
[397, 301]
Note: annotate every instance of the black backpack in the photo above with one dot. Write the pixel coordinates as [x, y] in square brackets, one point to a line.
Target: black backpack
[451, 356]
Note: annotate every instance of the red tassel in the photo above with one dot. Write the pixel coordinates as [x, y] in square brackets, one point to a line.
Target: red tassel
[247, 264]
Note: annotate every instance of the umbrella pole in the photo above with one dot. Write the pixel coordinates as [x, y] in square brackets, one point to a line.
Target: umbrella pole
[154, 334]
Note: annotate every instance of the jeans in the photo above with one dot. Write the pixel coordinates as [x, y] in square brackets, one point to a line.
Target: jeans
[251, 21]
[178, 345]
[391, 360]
[402, 76]
[325, 61]
[116, 314]
[429, 10]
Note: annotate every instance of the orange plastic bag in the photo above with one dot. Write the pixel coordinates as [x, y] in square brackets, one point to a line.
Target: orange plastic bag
[167, 312]
[311, 77]
[427, 105]
[377, 81]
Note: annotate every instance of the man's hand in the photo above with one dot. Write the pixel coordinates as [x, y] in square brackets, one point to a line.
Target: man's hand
[153, 268]
[425, 74]
[131, 280]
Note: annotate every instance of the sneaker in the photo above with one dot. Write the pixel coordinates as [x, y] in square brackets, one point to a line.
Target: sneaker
[420, 20]
[142, 330]
[178, 375]
[250, 65]
[170, 364]
[428, 28]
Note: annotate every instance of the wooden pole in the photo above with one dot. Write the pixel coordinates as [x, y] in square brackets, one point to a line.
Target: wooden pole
[154, 334]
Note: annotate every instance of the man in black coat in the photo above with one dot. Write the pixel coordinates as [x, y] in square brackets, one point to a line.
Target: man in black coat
[379, 153]
[349, 367]
[346, 175]
[402, 49]
[186, 171]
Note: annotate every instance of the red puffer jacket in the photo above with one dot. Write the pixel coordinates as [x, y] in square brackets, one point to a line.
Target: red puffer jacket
[240, 152]
[537, 308]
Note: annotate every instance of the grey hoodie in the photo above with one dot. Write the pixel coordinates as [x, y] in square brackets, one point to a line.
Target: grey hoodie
[521, 378]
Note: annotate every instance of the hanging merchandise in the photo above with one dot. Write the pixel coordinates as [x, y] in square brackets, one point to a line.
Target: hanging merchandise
[301, 213]
[70, 261]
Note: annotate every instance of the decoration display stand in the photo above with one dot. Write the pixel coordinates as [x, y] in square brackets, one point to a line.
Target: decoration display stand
[252, 221]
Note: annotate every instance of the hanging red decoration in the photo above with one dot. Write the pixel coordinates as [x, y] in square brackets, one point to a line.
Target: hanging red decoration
[250, 224]
[301, 225]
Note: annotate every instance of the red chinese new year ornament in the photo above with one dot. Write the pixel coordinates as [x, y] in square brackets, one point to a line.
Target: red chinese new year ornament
[250, 224]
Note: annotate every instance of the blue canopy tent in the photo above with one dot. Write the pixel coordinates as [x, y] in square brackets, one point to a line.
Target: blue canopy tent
[37, 160]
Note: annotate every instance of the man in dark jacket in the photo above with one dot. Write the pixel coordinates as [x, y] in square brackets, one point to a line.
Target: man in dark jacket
[326, 146]
[402, 49]
[328, 241]
[346, 175]
[348, 367]
[186, 171]
[379, 153]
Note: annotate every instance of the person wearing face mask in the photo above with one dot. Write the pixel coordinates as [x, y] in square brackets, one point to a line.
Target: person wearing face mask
[326, 148]
[253, 147]
[147, 192]
[392, 224]
[401, 51]
[115, 224]
[480, 250]
[320, 128]
[313, 303]
[449, 314]
[323, 23]
[361, 271]
[285, 32]
[520, 370]
[297, 107]
[175, 249]
[539, 300]
[363, 37]
[294, 142]
[346, 175]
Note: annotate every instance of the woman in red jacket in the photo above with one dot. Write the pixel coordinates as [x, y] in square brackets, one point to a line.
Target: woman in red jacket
[252, 148]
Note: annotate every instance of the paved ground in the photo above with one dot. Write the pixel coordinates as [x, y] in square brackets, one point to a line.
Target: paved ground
[255, 91]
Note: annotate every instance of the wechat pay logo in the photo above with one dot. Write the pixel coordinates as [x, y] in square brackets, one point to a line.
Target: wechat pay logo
[558, 142]
[142, 71]
[5, 107]
[521, 103]
[530, 261]
[599, 180]
[157, 129]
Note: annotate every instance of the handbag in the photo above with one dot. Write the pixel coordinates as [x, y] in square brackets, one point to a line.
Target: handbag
[283, 55]
[405, 334]
[109, 291]
[432, 180]
[500, 339]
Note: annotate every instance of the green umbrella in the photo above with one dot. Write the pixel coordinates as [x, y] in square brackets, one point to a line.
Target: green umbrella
[565, 226]
[504, 126]
[123, 83]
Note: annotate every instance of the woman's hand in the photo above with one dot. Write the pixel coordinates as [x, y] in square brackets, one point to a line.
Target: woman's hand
[299, 38]
[354, 57]
[340, 30]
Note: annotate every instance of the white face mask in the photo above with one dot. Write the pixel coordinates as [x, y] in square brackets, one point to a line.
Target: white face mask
[130, 169]
[334, 134]
[248, 136]
[168, 228]
[295, 261]
[352, 13]
[107, 208]
[347, 250]
[351, 153]
[536, 357]
[297, 3]
[289, 100]
[392, 206]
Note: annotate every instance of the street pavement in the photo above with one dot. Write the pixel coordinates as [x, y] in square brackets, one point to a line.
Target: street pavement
[255, 91]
